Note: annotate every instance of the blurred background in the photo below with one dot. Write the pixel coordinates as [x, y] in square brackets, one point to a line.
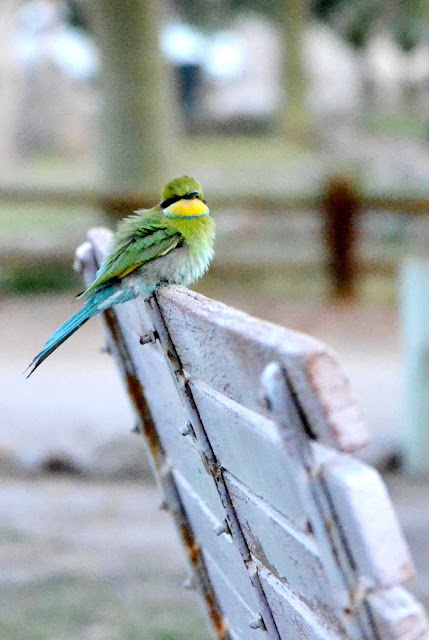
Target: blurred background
[307, 121]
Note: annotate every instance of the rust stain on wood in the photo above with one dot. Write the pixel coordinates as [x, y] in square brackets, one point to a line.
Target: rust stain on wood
[134, 387]
[135, 392]
[194, 552]
[218, 622]
[192, 546]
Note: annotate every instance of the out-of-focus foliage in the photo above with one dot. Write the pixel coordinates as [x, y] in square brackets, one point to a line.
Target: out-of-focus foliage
[76, 15]
[355, 21]
[412, 24]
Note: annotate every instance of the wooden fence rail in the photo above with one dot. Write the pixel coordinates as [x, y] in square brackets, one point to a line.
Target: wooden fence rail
[250, 428]
[262, 202]
[340, 202]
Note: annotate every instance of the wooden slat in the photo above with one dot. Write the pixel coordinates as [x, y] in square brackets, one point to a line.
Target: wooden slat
[171, 418]
[367, 519]
[28, 192]
[242, 440]
[294, 620]
[220, 547]
[291, 556]
[228, 350]
[238, 616]
[398, 616]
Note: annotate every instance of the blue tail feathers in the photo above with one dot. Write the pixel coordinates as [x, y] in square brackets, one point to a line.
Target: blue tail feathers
[99, 301]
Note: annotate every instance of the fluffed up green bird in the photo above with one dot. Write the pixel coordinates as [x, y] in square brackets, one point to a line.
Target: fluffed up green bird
[171, 243]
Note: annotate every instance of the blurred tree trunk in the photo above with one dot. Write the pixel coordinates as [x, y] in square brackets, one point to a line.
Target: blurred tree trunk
[295, 118]
[134, 114]
[10, 89]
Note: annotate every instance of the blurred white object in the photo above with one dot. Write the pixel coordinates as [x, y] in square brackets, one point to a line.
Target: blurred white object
[183, 44]
[245, 65]
[385, 70]
[226, 55]
[327, 58]
[42, 35]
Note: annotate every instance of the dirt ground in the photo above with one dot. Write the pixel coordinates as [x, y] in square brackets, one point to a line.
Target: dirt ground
[100, 561]
[91, 561]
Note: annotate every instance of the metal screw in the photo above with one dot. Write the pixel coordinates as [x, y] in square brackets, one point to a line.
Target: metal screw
[137, 428]
[186, 430]
[189, 584]
[221, 528]
[146, 338]
[257, 623]
[266, 401]
[164, 505]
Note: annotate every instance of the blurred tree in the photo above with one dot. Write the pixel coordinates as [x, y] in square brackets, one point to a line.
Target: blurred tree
[295, 120]
[407, 20]
[134, 129]
[203, 13]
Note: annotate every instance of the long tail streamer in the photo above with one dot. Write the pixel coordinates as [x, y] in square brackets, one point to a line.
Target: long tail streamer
[99, 301]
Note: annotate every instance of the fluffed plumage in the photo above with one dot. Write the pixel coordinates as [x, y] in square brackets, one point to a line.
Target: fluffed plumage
[171, 243]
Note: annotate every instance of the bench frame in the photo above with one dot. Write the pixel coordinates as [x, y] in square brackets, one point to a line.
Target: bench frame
[313, 552]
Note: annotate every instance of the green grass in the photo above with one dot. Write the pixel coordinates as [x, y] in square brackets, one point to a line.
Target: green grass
[246, 151]
[306, 283]
[396, 124]
[20, 220]
[39, 276]
[67, 608]
[36, 257]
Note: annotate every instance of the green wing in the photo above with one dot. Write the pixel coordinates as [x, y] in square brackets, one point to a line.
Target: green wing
[139, 239]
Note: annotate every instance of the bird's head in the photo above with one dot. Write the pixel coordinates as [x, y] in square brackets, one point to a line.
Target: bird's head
[183, 198]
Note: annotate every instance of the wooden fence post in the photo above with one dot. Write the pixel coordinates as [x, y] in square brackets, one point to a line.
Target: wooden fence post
[340, 204]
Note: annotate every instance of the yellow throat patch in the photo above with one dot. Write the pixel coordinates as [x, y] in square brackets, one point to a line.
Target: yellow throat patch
[187, 208]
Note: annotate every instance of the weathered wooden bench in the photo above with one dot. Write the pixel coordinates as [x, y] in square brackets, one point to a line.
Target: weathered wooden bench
[250, 428]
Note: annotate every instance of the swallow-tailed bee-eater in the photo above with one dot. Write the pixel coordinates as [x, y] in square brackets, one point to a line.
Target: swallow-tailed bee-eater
[172, 243]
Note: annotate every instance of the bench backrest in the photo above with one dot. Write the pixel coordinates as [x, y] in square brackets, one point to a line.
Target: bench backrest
[250, 427]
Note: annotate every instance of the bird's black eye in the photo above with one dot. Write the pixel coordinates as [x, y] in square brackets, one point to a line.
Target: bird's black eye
[191, 195]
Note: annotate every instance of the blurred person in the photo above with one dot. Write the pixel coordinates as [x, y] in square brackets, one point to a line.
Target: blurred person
[185, 47]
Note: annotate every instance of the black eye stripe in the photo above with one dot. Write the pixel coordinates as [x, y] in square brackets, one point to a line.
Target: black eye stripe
[173, 199]
[169, 201]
